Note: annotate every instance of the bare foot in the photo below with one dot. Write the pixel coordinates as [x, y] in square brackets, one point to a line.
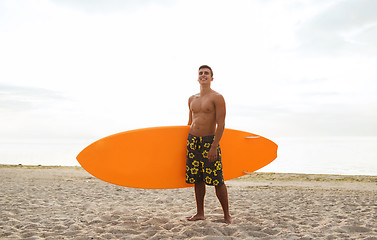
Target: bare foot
[196, 218]
[228, 220]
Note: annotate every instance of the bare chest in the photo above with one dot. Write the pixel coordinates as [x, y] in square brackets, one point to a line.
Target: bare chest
[202, 105]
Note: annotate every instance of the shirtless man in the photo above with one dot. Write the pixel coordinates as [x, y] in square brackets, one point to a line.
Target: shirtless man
[207, 123]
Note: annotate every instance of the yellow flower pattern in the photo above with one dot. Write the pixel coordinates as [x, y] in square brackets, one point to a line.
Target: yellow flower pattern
[208, 180]
[198, 168]
[192, 146]
[194, 171]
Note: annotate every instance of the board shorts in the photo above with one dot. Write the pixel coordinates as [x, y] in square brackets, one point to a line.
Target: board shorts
[198, 167]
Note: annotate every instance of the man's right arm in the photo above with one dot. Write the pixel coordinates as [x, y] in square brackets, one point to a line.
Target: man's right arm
[190, 112]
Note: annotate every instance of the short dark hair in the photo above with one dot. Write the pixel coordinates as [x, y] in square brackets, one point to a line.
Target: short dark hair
[206, 66]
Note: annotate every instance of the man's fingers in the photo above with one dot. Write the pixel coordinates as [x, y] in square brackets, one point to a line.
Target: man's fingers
[212, 158]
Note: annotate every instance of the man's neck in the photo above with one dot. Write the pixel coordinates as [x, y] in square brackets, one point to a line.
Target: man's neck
[205, 89]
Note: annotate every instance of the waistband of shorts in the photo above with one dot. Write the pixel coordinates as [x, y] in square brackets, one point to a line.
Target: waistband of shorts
[204, 138]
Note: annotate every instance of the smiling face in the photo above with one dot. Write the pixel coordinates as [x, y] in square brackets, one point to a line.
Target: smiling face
[205, 76]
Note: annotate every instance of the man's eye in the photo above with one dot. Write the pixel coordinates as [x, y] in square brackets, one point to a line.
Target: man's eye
[205, 73]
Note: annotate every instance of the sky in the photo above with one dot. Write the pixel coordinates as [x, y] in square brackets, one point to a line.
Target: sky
[88, 69]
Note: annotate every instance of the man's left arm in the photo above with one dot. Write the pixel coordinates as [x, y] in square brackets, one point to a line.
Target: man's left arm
[220, 111]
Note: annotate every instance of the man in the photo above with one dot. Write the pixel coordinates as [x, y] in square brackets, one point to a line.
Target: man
[207, 123]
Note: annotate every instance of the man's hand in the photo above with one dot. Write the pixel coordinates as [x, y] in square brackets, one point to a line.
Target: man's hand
[212, 154]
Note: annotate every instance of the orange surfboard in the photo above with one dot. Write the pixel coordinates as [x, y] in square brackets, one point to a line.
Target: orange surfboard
[155, 158]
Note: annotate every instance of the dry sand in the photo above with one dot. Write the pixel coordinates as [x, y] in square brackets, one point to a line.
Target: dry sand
[68, 203]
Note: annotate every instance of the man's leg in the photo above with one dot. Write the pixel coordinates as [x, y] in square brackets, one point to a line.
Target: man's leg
[222, 195]
[200, 192]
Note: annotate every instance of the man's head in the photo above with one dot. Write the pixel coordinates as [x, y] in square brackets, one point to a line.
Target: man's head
[208, 67]
[205, 75]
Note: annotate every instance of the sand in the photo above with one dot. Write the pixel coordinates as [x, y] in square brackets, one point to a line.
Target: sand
[68, 203]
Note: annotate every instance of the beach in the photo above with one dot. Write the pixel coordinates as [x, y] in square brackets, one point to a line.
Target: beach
[41, 202]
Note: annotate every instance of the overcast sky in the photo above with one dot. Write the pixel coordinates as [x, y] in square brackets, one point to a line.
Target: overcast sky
[87, 69]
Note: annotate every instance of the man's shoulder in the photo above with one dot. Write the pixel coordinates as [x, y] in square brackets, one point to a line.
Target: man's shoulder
[217, 95]
[194, 96]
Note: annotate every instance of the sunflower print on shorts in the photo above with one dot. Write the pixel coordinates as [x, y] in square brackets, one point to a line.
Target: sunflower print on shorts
[198, 167]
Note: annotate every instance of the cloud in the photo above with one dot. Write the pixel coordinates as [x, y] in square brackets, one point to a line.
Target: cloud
[320, 114]
[16, 98]
[118, 61]
[111, 6]
[347, 27]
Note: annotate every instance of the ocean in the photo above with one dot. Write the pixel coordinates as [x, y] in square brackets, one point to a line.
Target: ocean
[326, 155]
[315, 155]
